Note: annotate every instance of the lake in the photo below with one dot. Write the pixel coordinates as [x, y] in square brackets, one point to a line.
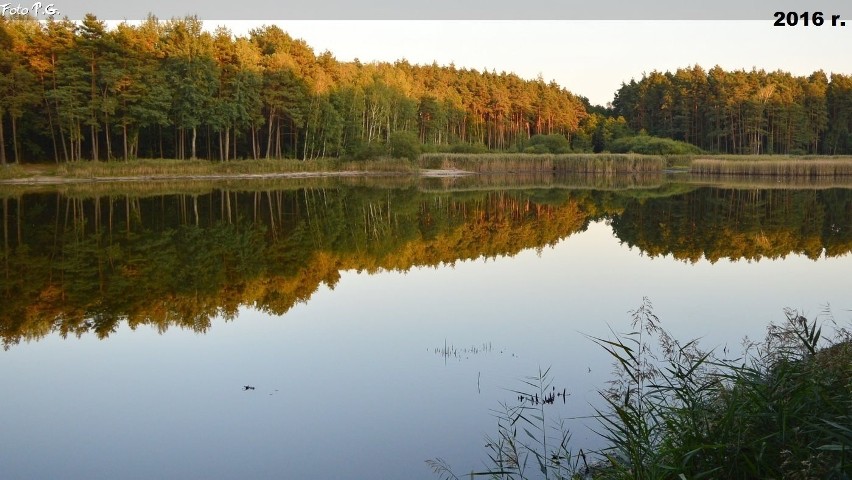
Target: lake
[380, 323]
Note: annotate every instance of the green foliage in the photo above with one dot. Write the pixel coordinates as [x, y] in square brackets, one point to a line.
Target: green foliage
[741, 112]
[469, 148]
[839, 101]
[648, 145]
[170, 89]
[554, 143]
[368, 151]
[597, 131]
[404, 145]
[675, 411]
[538, 149]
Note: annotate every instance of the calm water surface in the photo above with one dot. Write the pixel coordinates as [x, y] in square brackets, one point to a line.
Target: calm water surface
[133, 320]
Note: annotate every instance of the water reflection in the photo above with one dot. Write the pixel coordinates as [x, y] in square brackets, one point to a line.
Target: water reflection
[739, 224]
[390, 272]
[77, 263]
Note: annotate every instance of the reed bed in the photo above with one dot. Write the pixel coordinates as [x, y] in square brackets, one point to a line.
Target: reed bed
[781, 410]
[817, 167]
[685, 161]
[605, 164]
[675, 411]
[156, 168]
[766, 157]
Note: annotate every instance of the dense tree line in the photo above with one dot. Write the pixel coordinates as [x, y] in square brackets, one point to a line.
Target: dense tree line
[79, 91]
[170, 89]
[752, 112]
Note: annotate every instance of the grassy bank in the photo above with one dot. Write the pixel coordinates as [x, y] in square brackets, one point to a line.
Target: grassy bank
[15, 171]
[166, 168]
[203, 186]
[603, 164]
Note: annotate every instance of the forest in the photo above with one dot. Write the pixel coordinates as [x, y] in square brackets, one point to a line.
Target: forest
[754, 112]
[72, 91]
[170, 89]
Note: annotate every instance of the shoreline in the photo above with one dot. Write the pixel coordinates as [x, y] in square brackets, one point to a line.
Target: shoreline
[60, 180]
[446, 166]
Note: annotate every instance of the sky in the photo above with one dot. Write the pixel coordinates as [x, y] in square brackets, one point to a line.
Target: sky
[588, 57]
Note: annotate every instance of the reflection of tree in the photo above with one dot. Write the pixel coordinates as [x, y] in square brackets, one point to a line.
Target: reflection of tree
[75, 265]
[740, 224]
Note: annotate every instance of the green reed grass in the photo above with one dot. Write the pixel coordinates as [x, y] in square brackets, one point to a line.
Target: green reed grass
[12, 171]
[780, 411]
[164, 168]
[607, 164]
[673, 411]
[527, 445]
[817, 167]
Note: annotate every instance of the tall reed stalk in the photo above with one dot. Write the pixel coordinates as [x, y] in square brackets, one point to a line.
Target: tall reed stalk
[528, 444]
[672, 411]
[783, 410]
[602, 164]
[838, 167]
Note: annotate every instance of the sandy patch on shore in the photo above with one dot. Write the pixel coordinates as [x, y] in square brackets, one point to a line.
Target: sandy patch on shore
[436, 172]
